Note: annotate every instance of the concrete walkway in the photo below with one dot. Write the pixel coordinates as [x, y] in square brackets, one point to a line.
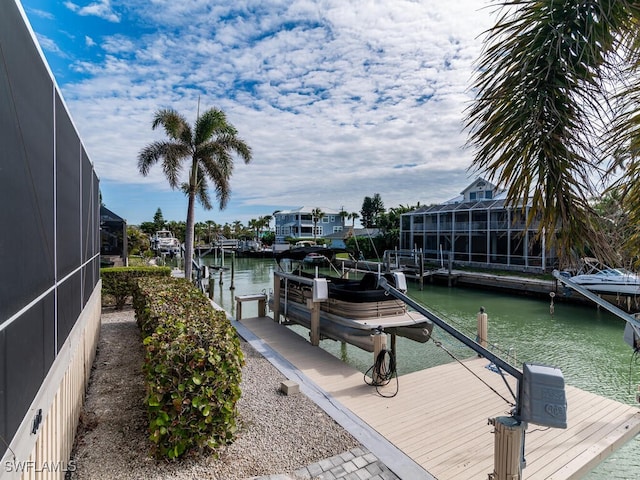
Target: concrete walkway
[356, 464]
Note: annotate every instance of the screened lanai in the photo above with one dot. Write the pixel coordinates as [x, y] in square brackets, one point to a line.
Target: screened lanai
[486, 233]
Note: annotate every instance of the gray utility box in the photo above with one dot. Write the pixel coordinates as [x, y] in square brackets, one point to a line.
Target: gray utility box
[543, 399]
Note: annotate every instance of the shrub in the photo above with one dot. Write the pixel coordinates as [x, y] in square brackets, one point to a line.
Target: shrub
[120, 281]
[193, 366]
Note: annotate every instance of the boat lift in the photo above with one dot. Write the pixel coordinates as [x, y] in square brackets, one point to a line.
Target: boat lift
[632, 327]
[540, 398]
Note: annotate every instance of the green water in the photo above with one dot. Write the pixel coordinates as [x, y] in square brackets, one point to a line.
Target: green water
[585, 343]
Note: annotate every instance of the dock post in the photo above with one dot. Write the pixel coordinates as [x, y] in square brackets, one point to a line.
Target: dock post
[483, 327]
[211, 285]
[238, 309]
[379, 344]
[276, 298]
[233, 257]
[421, 269]
[393, 344]
[508, 448]
[314, 332]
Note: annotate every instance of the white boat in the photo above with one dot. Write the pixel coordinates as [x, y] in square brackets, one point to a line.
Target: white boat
[164, 242]
[353, 310]
[597, 277]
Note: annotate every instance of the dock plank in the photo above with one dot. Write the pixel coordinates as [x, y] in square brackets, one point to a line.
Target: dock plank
[439, 416]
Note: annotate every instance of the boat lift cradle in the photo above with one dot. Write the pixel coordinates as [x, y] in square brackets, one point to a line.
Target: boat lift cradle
[540, 399]
[632, 328]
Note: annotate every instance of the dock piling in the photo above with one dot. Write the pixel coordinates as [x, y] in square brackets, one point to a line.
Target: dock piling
[483, 327]
[508, 448]
[379, 344]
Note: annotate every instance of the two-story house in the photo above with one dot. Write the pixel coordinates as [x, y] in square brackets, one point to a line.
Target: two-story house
[299, 223]
[477, 228]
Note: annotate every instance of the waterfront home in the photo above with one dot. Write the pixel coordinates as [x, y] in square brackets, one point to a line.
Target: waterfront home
[477, 228]
[298, 223]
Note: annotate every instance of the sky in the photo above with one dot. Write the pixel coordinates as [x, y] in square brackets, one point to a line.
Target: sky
[338, 99]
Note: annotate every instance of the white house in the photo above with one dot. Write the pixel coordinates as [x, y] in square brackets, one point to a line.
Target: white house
[477, 228]
[298, 223]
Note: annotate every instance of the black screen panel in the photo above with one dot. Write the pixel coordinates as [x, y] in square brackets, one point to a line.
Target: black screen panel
[27, 364]
[67, 192]
[26, 166]
[69, 305]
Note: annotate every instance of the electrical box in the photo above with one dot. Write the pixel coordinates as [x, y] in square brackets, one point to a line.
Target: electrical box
[543, 399]
[320, 290]
[400, 281]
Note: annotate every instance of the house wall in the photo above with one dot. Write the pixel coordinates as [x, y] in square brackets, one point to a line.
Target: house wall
[49, 248]
[482, 236]
[299, 224]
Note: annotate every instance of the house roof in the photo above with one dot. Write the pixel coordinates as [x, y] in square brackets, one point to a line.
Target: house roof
[353, 232]
[308, 210]
[107, 215]
[485, 204]
[479, 184]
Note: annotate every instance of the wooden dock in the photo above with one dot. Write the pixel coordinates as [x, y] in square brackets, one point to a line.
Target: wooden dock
[437, 423]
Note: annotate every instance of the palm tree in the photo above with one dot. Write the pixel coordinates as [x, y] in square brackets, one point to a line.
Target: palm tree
[255, 225]
[237, 228]
[541, 119]
[208, 146]
[316, 214]
[353, 216]
[267, 221]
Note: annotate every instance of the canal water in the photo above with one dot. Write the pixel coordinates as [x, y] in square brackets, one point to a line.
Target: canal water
[584, 342]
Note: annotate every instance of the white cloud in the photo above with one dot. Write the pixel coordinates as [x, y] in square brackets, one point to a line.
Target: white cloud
[41, 13]
[101, 9]
[49, 45]
[331, 95]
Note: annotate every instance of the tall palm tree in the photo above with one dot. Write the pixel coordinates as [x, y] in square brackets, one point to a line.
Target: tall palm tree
[542, 119]
[208, 148]
[353, 216]
[316, 214]
[255, 224]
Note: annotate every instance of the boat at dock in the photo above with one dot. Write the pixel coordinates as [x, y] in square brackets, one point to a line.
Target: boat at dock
[350, 310]
[597, 277]
[164, 242]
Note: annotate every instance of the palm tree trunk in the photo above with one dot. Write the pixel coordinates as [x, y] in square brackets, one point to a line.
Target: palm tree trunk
[188, 237]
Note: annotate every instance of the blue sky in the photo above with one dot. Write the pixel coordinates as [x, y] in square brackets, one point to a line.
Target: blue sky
[338, 99]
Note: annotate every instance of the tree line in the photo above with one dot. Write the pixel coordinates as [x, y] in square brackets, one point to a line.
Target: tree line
[372, 215]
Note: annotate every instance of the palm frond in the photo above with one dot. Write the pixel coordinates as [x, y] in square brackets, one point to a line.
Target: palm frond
[536, 120]
[210, 124]
[175, 125]
[170, 153]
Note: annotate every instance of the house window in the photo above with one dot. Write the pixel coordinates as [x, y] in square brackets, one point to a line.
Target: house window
[488, 194]
[318, 231]
[337, 229]
[472, 195]
[325, 220]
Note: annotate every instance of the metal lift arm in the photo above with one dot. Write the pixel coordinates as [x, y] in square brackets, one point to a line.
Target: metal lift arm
[599, 301]
[499, 362]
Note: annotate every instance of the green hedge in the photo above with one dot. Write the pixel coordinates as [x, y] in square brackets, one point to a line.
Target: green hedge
[120, 281]
[193, 367]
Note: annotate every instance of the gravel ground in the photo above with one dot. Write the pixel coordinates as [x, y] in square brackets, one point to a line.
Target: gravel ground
[278, 433]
